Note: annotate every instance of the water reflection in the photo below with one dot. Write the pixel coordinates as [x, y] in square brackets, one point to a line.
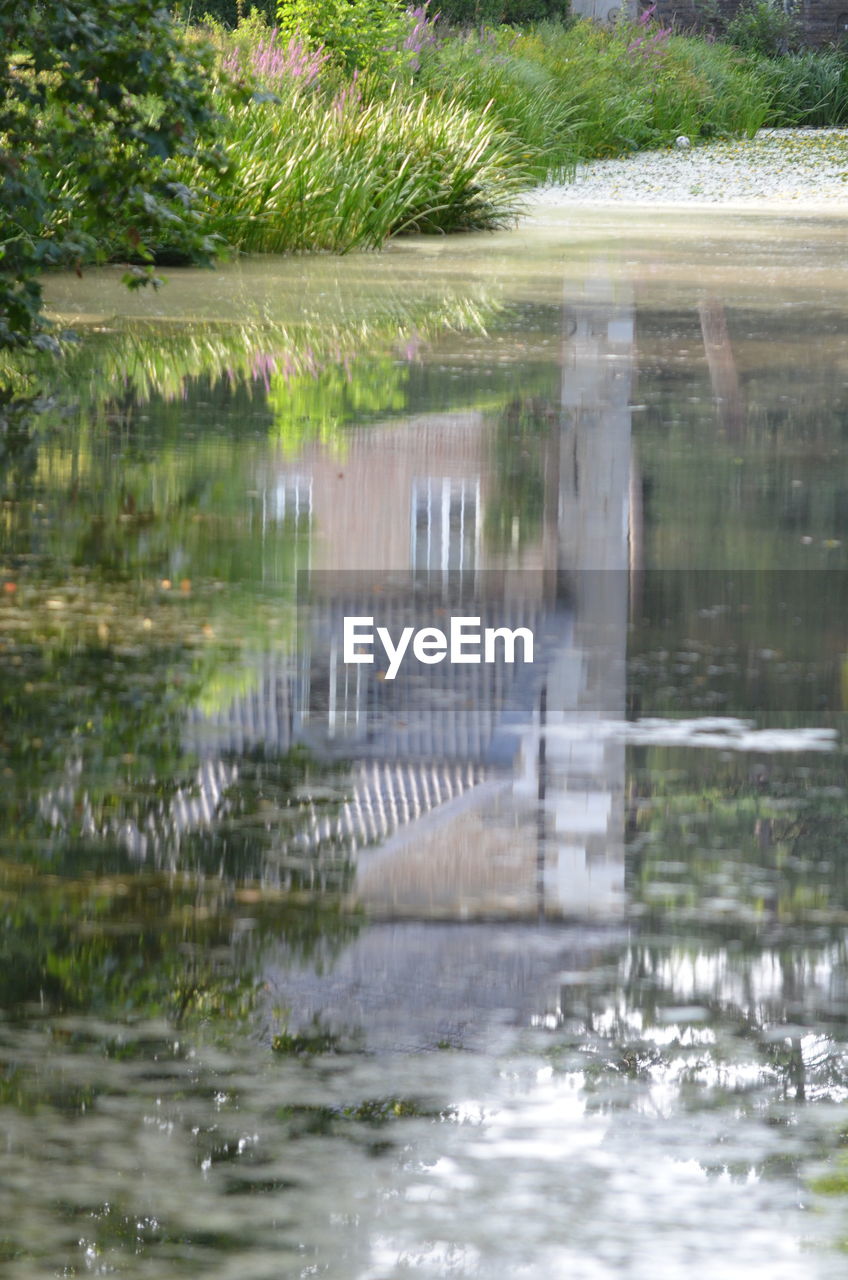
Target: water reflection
[297, 960]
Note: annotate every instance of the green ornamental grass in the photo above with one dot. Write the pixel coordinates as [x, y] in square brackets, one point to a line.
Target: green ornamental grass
[349, 174]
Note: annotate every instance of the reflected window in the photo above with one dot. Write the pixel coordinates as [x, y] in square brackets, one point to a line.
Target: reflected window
[284, 518]
[289, 498]
[445, 524]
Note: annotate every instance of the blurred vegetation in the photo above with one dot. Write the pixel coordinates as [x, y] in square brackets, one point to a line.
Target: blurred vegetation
[777, 498]
[97, 102]
[522, 463]
[767, 27]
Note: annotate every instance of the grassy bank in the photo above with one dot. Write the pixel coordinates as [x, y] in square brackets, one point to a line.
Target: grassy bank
[352, 125]
[442, 131]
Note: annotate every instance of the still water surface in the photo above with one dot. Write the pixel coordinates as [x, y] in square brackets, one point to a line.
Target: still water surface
[307, 975]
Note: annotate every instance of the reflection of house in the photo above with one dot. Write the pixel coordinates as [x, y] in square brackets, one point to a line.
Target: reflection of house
[452, 763]
[397, 496]
[464, 800]
[461, 808]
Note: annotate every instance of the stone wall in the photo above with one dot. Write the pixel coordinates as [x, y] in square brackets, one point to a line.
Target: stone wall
[822, 21]
[604, 10]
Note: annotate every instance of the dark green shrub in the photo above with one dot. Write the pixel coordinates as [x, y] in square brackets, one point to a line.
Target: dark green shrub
[457, 13]
[520, 12]
[765, 27]
[227, 12]
[474, 13]
[358, 34]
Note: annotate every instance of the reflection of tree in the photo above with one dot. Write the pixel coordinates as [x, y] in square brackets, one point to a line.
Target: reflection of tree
[752, 842]
[102, 933]
[740, 643]
[722, 366]
[97, 797]
[129, 565]
[705, 1023]
[70, 721]
[18, 442]
[743, 491]
[316, 406]
[521, 443]
[145, 359]
[122, 536]
[144, 944]
[729, 994]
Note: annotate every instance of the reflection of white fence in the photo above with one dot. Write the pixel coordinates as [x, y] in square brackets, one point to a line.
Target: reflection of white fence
[377, 800]
[155, 834]
[443, 712]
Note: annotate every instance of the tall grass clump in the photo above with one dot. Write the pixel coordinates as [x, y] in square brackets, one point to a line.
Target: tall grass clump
[499, 70]
[638, 85]
[348, 171]
[584, 91]
[808, 88]
[732, 94]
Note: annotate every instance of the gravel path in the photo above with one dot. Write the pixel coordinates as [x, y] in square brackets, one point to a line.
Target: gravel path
[793, 166]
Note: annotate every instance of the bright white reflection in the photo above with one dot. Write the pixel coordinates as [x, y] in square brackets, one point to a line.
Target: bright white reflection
[723, 732]
[554, 1182]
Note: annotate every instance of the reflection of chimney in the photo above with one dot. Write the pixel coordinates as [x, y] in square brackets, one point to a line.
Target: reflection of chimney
[722, 366]
[636, 536]
[582, 845]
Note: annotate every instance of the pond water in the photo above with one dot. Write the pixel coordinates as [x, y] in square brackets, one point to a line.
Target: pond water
[310, 972]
